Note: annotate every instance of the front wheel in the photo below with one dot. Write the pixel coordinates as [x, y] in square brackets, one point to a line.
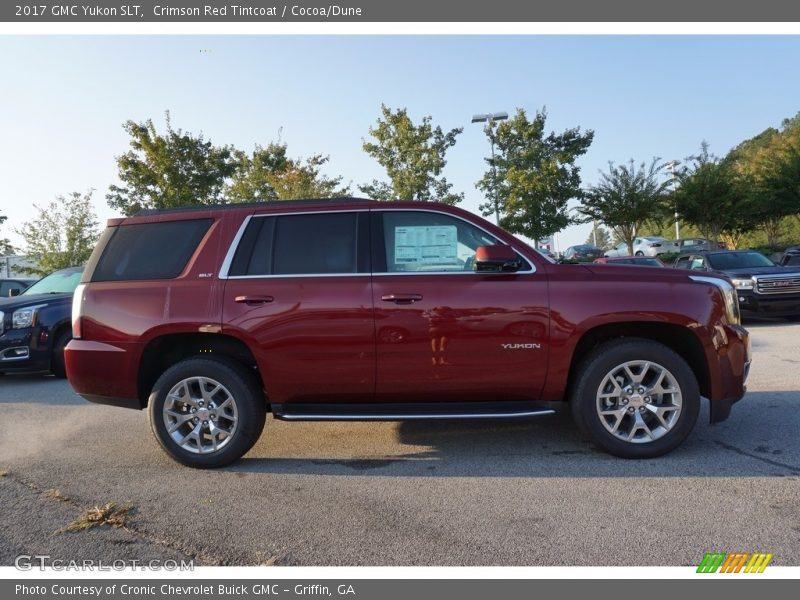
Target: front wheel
[635, 398]
[639, 253]
[57, 366]
[207, 413]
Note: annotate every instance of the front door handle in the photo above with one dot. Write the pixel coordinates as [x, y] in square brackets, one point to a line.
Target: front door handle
[402, 298]
[253, 300]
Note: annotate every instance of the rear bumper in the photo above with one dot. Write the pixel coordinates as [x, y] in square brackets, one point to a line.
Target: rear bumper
[103, 373]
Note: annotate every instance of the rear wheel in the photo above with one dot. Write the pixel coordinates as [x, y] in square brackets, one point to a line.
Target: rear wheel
[57, 366]
[206, 412]
[639, 253]
[635, 398]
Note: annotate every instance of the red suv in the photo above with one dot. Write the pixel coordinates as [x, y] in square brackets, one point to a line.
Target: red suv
[358, 310]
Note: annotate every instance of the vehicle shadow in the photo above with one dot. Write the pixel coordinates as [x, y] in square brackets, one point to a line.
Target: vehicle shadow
[759, 440]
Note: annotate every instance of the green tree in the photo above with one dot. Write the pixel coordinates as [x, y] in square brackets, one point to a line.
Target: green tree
[5, 244]
[767, 169]
[170, 170]
[626, 198]
[709, 198]
[536, 175]
[413, 156]
[63, 234]
[601, 233]
[269, 174]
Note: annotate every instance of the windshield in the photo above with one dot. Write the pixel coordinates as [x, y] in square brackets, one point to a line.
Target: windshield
[60, 282]
[738, 260]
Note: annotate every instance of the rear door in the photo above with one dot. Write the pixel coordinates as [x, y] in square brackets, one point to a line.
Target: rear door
[298, 290]
[445, 332]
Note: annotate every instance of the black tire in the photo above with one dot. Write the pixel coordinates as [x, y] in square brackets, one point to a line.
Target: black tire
[249, 401]
[639, 253]
[793, 319]
[57, 366]
[601, 362]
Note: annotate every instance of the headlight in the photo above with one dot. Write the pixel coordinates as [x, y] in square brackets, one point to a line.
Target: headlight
[743, 284]
[728, 293]
[25, 317]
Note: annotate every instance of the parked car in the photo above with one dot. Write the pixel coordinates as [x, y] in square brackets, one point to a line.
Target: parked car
[547, 253]
[790, 258]
[582, 252]
[14, 287]
[358, 310]
[763, 287]
[644, 246]
[689, 245]
[35, 326]
[642, 261]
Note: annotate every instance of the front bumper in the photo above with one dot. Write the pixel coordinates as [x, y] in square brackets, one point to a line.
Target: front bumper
[777, 305]
[24, 350]
[734, 358]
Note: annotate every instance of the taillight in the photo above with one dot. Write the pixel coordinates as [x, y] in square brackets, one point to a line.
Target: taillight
[77, 309]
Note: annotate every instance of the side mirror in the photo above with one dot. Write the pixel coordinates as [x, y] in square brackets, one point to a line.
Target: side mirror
[14, 292]
[496, 259]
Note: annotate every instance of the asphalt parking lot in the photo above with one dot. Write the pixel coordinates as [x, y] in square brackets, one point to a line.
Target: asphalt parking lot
[423, 493]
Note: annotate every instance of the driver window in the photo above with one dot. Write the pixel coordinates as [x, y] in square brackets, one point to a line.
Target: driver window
[424, 242]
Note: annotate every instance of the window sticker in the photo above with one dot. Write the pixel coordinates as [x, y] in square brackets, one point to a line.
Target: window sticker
[426, 245]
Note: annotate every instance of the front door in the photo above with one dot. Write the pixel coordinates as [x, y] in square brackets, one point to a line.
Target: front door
[445, 332]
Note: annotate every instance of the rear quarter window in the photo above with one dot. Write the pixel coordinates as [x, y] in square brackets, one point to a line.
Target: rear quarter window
[150, 250]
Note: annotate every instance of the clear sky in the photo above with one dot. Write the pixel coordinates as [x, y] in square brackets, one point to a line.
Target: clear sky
[63, 99]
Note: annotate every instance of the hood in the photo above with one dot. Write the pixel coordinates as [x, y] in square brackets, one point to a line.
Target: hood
[751, 271]
[24, 300]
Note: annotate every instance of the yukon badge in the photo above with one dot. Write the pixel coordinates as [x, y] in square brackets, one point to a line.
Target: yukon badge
[521, 346]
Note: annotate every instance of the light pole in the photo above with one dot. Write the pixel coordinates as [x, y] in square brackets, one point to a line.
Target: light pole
[489, 119]
[671, 166]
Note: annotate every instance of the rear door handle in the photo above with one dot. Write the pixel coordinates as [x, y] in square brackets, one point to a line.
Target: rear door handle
[402, 298]
[253, 300]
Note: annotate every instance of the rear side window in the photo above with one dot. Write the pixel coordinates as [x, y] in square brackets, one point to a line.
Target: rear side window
[150, 250]
[312, 244]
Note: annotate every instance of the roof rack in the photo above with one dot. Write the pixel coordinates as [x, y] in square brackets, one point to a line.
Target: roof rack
[145, 212]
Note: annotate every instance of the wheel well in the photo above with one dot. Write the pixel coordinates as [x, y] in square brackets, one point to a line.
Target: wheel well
[678, 338]
[57, 331]
[165, 351]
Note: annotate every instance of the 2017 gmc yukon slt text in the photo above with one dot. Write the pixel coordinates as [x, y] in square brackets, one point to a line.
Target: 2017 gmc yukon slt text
[357, 310]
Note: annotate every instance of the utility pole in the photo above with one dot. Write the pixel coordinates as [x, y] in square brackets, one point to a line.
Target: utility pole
[671, 166]
[489, 119]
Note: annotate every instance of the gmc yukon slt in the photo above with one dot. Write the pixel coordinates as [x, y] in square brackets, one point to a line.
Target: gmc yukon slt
[351, 309]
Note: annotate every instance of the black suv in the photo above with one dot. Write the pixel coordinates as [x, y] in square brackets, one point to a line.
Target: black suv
[764, 288]
[35, 326]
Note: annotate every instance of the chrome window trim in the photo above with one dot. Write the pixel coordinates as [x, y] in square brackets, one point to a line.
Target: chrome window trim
[226, 263]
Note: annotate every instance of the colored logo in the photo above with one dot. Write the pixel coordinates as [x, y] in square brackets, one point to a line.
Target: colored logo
[744, 562]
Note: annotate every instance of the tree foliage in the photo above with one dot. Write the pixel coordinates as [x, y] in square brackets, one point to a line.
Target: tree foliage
[63, 234]
[413, 156]
[169, 170]
[601, 234]
[709, 198]
[5, 244]
[767, 171]
[268, 174]
[533, 174]
[626, 198]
